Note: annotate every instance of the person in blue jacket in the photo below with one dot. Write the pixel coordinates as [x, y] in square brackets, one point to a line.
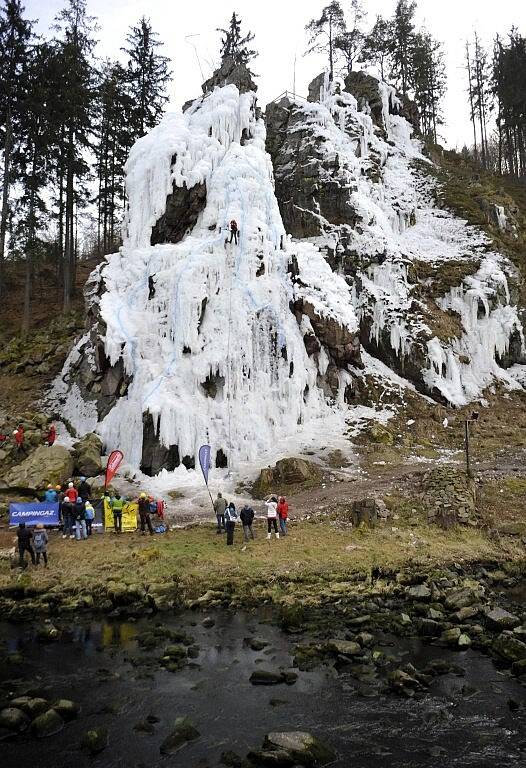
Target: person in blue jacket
[50, 495]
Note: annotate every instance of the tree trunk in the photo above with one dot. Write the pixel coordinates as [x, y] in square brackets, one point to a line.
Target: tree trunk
[8, 147]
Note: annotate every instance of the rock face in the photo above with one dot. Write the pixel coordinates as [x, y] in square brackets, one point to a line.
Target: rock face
[287, 472]
[183, 206]
[87, 455]
[231, 73]
[45, 465]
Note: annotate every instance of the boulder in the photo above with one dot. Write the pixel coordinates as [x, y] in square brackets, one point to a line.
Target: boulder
[88, 451]
[183, 732]
[67, 709]
[420, 592]
[344, 647]
[508, 647]
[231, 73]
[266, 677]
[287, 472]
[14, 720]
[95, 740]
[47, 724]
[45, 465]
[303, 747]
[462, 598]
[498, 618]
[31, 706]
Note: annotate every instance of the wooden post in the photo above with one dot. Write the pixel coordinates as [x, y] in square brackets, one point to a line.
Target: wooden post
[466, 446]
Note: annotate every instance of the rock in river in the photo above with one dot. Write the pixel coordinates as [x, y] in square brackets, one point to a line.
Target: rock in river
[183, 732]
[95, 740]
[47, 724]
[13, 719]
[303, 747]
[498, 618]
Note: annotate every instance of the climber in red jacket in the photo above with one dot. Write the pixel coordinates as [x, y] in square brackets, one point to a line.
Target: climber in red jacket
[51, 435]
[233, 231]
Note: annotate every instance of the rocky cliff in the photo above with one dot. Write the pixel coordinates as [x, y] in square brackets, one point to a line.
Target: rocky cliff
[344, 262]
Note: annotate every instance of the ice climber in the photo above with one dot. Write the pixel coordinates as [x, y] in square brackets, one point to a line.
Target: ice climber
[51, 435]
[272, 516]
[233, 231]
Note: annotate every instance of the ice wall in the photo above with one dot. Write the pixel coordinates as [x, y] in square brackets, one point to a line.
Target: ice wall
[216, 355]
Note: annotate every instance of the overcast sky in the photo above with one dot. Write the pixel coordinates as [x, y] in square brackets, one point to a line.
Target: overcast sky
[280, 38]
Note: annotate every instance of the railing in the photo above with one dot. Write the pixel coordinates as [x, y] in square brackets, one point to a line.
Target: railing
[289, 95]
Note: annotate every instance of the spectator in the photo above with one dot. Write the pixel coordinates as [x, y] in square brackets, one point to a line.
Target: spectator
[144, 514]
[219, 507]
[80, 519]
[230, 522]
[24, 537]
[89, 514]
[247, 518]
[117, 504]
[283, 514]
[272, 516]
[84, 489]
[40, 540]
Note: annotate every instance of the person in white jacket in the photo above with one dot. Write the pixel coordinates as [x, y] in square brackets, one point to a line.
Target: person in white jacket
[272, 516]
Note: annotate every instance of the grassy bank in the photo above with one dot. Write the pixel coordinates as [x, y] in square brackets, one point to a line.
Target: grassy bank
[183, 565]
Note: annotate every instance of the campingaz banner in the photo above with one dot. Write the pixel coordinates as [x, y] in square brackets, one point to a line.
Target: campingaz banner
[33, 513]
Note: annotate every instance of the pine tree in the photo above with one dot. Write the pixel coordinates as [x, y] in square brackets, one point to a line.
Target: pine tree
[15, 36]
[76, 92]
[324, 32]
[350, 43]
[113, 140]
[428, 81]
[234, 45]
[379, 45]
[403, 39]
[509, 88]
[147, 77]
[32, 160]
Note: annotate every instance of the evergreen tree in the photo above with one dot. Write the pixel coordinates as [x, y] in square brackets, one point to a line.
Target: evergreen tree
[379, 45]
[324, 32]
[428, 81]
[403, 40]
[234, 45]
[147, 77]
[350, 43]
[32, 158]
[509, 88]
[15, 36]
[75, 90]
[113, 140]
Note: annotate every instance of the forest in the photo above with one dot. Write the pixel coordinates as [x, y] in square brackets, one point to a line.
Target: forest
[69, 119]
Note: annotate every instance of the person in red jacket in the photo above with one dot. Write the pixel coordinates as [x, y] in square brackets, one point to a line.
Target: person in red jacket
[71, 493]
[19, 436]
[233, 231]
[283, 514]
[51, 435]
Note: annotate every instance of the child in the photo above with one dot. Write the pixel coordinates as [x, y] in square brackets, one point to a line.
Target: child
[40, 540]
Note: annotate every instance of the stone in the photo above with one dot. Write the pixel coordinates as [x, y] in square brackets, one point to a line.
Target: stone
[279, 758]
[266, 677]
[95, 740]
[507, 646]
[67, 709]
[344, 647]
[31, 706]
[462, 598]
[14, 719]
[88, 452]
[302, 746]
[498, 618]
[231, 73]
[47, 724]
[183, 732]
[365, 639]
[429, 628]
[419, 592]
[464, 614]
[450, 636]
[464, 641]
[287, 472]
[208, 622]
[44, 465]
[256, 643]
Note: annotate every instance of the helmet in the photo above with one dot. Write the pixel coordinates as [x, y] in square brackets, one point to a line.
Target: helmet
[58, 488]
[70, 485]
[15, 432]
[78, 498]
[82, 479]
[49, 486]
[142, 496]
